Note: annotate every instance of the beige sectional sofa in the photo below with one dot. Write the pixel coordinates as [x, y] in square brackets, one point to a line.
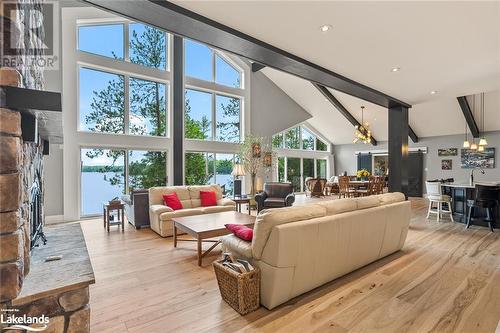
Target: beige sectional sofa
[303, 247]
[161, 216]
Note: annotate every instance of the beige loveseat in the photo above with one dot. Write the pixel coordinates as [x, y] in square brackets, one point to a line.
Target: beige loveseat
[161, 216]
[303, 247]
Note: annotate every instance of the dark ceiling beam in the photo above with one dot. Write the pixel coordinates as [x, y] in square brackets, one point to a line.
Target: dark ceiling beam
[339, 106]
[411, 133]
[178, 20]
[469, 117]
[257, 67]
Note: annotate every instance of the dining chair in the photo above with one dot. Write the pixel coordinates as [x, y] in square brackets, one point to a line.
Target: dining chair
[345, 189]
[435, 195]
[371, 188]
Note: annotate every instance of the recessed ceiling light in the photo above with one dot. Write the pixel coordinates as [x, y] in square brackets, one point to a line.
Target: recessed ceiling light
[395, 69]
[325, 27]
[434, 92]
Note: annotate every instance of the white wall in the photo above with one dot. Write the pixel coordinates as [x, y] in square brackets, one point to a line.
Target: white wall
[345, 158]
[272, 109]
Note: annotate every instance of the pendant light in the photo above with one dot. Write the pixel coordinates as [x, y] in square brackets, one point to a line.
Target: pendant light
[362, 132]
[466, 141]
[480, 148]
[482, 141]
[473, 145]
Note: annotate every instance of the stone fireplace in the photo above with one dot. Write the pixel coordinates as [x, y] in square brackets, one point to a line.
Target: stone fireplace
[32, 284]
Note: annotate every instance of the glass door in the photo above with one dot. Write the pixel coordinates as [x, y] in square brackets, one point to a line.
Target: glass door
[307, 170]
[293, 173]
[321, 168]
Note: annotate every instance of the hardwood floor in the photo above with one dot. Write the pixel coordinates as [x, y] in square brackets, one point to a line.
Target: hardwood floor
[446, 279]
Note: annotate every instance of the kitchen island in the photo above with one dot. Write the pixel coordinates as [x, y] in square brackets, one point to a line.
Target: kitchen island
[460, 193]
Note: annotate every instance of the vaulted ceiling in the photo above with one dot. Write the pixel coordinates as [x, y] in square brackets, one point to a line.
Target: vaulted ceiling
[449, 47]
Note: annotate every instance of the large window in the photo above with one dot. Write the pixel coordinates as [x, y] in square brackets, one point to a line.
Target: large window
[102, 178]
[113, 102]
[109, 44]
[292, 138]
[206, 64]
[103, 174]
[198, 115]
[295, 170]
[298, 138]
[103, 107]
[147, 46]
[146, 169]
[203, 122]
[321, 168]
[102, 101]
[209, 168]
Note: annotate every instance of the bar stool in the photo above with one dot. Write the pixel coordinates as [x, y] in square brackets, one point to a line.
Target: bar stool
[435, 195]
[487, 198]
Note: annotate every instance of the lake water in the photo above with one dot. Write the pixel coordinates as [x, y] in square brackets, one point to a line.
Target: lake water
[97, 189]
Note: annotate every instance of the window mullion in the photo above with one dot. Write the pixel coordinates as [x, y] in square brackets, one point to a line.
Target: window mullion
[126, 171]
[127, 103]
[214, 117]
[126, 43]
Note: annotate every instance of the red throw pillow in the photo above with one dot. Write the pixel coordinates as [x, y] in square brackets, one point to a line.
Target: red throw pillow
[240, 231]
[208, 198]
[172, 200]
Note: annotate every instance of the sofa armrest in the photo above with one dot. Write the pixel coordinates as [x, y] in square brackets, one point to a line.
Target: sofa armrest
[290, 199]
[159, 209]
[225, 202]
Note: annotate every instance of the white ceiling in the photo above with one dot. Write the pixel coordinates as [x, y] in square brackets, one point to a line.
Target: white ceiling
[452, 47]
[449, 46]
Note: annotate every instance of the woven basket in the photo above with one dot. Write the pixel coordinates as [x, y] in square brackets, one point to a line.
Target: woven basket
[240, 290]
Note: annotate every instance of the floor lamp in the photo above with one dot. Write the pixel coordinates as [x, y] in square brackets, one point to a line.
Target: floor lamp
[238, 171]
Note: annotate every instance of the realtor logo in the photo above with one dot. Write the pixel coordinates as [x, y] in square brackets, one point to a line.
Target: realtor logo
[11, 322]
[30, 35]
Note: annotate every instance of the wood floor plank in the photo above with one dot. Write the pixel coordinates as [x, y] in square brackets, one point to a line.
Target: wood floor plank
[446, 279]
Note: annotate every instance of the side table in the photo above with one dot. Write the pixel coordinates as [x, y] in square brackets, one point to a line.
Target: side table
[241, 200]
[108, 209]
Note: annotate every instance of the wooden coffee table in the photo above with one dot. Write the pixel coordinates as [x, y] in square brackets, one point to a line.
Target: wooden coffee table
[206, 226]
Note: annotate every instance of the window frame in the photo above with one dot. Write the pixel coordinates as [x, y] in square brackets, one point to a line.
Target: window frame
[125, 170]
[301, 143]
[126, 68]
[126, 40]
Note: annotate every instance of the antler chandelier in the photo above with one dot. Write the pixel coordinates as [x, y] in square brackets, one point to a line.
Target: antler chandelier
[362, 132]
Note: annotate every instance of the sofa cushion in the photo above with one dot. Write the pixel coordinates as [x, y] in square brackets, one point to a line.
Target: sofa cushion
[180, 213]
[208, 198]
[274, 202]
[368, 202]
[216, 209]
[388, 198]
[339, 206]
[269, 218]
[156, 193]
[237, 247]
[171, 200]
[194, 193]
[241, 231]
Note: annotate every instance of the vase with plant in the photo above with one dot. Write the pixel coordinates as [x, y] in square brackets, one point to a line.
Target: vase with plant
[251, 158]
[362, 174]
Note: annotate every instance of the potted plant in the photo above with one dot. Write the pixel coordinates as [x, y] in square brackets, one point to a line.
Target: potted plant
[362, 174]
[253, 160]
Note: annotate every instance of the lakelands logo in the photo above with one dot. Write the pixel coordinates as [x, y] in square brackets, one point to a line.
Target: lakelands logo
[31, 35]
[24, 322]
